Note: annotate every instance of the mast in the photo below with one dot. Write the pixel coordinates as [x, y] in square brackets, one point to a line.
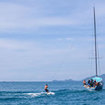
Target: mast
[95, 38]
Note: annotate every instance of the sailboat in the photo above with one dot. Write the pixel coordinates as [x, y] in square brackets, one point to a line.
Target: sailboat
[95, 83]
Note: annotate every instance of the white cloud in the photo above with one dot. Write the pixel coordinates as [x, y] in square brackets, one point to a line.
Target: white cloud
[11, 44]
[16, 17]
[29, 53]
[37, 58]
[22, 18]
[65, 39]
[34, 58]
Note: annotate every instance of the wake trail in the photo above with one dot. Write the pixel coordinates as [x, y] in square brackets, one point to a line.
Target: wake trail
[40, 94]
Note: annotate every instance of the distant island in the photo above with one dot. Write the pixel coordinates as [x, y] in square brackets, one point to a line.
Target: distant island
[66, 80]
[70, 80]
[102, 76]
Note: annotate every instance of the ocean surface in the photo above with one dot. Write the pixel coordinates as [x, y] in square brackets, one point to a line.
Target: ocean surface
[65, 93]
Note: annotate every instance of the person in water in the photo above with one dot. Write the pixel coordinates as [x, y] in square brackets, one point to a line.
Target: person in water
[46, 88]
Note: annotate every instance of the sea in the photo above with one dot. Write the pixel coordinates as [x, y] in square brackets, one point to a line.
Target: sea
[64, 93]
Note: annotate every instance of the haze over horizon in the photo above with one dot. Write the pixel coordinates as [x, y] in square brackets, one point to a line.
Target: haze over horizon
[50, 40]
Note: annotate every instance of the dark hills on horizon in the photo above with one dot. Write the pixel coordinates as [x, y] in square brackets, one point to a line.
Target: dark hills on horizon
[67, 80]
[70, 80]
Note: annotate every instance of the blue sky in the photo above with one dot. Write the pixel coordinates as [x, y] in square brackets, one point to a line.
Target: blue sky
[43, 40]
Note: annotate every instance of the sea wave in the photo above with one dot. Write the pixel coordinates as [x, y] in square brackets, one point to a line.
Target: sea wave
[12, 95]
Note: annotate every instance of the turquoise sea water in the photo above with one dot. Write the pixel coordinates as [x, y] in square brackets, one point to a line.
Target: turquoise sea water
[32, 93]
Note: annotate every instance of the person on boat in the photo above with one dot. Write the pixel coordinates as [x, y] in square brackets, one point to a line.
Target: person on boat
[98, 83]
[94, 83]
[46, 88]
[89, 82]
[84, 82]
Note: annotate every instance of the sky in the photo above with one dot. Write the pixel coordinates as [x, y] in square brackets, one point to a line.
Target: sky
[44, 40]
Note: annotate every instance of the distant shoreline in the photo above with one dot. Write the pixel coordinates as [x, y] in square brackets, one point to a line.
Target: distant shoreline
[66, 80]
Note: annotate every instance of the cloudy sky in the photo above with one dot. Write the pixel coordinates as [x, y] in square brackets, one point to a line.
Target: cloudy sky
[43, 40]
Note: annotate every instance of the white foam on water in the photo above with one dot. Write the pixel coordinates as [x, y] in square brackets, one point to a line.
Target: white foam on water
[50, 93]
[39, 94]
[34, 94]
